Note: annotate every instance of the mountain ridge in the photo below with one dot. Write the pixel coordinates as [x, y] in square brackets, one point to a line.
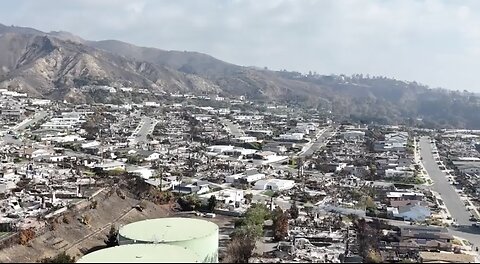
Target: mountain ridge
[59, 65]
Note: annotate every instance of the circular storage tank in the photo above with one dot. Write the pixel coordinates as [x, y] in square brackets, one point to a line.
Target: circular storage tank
[141, 253]
[196, 235]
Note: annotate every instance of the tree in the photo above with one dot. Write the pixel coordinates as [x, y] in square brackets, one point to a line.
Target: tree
[112, 237]
[240, 250]
[248, 197]
[212, 203]
[60, 258]
[374, 256]
[190, 203]
[252, 224]
[294, 212]
[368, 237]
[280, 224]
[26, 236]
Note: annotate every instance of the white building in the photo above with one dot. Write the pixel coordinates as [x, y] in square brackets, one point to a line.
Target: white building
[67, 121]
[219, 148]
[393, 173]
[40, 102]
[245, 139]
[151, 104]
[227, 196]
[292, 136]
[109, 166]
[274, 184]
[353, 135]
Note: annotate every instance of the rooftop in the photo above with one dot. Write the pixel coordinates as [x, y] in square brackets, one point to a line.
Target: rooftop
[141, 253]
[168, 229]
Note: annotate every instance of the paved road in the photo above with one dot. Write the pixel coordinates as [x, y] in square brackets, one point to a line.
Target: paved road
[450, 197]
[234, 129]
[9, 139]
[145, 129]
[319, 142]
[37, 117]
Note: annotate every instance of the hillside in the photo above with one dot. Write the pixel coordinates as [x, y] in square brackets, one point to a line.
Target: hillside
[51, 67]
[70, 235]
[59, 65]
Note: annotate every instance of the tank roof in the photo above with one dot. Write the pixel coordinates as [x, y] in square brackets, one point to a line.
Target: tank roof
[165, 230]
[141, 253]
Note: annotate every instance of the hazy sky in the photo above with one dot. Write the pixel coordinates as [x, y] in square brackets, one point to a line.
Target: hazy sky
[436, 42]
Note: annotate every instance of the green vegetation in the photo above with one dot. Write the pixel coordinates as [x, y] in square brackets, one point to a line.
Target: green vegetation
[4, 234]
[457, 242]
[212, 203]
[60, 258]
[112, 240]
[294, 212]
[190, 203]
[409, 180]
[368, 203]
[252, 224]
[280, 224]
[247, 231]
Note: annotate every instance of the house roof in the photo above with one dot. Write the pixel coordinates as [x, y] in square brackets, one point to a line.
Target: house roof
[441, 257]
[412, 208]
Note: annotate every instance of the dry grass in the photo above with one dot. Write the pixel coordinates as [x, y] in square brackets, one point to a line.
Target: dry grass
[76, 238]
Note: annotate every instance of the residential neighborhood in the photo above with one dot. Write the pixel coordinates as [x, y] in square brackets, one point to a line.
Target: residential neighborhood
[343, 192]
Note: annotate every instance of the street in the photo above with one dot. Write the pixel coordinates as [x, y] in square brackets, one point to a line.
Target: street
[27, 122]
[450, 197]
[234, 129]
[9, 139]
[147, 126]
[319, 142]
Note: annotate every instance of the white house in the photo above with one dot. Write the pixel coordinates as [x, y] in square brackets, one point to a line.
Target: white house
[151, 104]
[253, 177]
[414, 212]
[228, 196]
[144, 173]
[40, 102]
[353, 135]
[392, 173]
[245, 139]
[109, 166]
[153, 156]
[292, 136]
[58, 158]
[92, 144]
[274, 184]
[234, 177]
[41, 153]
[219, 148]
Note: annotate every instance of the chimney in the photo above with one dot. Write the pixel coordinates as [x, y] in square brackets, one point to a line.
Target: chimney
[54, 199]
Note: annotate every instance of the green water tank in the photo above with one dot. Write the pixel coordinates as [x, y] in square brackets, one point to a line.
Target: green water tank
[197, 235]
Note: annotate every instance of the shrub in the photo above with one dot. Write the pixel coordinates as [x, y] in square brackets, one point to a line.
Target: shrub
[26, 236]
[60, 258]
